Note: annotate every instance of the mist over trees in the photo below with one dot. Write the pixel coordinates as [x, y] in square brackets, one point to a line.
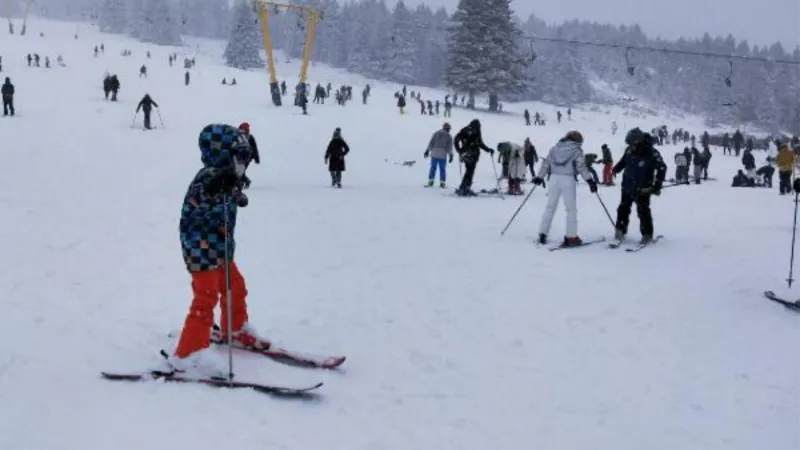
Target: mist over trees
[415, 45]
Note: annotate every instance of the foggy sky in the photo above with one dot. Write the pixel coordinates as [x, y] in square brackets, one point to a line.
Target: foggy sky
[761, 22]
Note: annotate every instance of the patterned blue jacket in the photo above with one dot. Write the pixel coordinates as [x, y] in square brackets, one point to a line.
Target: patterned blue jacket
[202, 224]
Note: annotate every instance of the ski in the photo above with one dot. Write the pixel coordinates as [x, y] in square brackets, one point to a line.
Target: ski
[794, 306]
[215, 382]
[285, 356]
[583, 244]
[639, 247]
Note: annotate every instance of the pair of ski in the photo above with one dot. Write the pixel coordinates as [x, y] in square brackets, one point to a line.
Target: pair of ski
[277, 354]
[613, 245]
[794, 306]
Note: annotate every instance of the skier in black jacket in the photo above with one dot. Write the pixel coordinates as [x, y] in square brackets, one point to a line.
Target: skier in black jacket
[146, 105]
[644, 175]
[254, 156]
[469, 143]
[334, 157]
[8, 97]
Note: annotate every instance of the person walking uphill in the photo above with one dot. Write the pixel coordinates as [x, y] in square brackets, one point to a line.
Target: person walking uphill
[564, 162]
[8, 97]
[206, 236]
[146, 105]
[334, 157]
[469, 143]
[644, 172]
[440, 150]
[785, 161]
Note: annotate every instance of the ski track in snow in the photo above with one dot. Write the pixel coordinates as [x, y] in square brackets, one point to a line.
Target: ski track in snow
[456, 338]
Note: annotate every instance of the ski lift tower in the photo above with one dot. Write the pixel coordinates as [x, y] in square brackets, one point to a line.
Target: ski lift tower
[311, 16]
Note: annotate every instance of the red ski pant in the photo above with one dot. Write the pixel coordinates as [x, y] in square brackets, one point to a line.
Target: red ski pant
[208, 288]
[608, 174]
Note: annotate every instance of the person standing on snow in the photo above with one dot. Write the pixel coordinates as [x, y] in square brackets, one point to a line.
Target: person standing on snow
[644, 172]
[208, 246]
[531, 157]
[440, 150]
[334, 157]
[469, 143]
[244, 127]
[516, 168]
[7, 92]
[608, 165]
[146, 105]
[564, 162]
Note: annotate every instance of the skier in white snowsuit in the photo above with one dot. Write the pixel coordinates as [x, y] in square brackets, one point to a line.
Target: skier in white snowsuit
[563, 164]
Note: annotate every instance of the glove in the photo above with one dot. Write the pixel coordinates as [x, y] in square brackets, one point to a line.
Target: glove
[451, 158]
[796, 186]
[538, 181]
[241, 199]
[427, 152]
[491, 151]
[224, 181]
[592, 186]
[656, 189]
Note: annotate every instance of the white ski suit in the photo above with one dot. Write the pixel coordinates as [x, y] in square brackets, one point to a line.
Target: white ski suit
[564, 162]
[516, 163]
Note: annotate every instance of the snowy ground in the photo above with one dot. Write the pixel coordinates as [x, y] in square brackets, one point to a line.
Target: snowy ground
[456, 338]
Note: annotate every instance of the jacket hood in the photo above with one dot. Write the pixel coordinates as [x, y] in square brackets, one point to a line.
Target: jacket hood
[563, 152]
[221, 145]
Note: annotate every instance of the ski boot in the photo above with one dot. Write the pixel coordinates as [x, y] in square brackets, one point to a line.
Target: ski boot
[201, 364]
[442, 185]
[430, 183]
[619, 235]
[646, 239]
[573, 241]
[244, 338]
[542, 239]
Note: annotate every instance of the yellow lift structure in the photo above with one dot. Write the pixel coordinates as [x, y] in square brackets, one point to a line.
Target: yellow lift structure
[312, 17]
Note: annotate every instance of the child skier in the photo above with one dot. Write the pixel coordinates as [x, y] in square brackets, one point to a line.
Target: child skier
[564, 162]
[516, 168]
[206, 235]
[334, 157]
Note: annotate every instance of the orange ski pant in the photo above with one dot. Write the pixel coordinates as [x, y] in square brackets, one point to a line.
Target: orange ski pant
[208, 288]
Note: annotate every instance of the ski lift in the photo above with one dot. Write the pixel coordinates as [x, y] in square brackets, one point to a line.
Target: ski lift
[631, 67]
[728, 78]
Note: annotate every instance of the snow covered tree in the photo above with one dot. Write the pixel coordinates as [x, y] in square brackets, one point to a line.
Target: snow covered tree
[404, 61]
[205, 18]
[113, 17]
[483, 53]
[154, 21]
[245, 43]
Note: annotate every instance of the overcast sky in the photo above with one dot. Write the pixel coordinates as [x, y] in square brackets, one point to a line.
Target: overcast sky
[759, 21]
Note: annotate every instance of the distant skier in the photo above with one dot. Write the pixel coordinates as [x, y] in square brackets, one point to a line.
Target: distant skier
[749, 163]
[644, 172]
[244, 127]
[785, 161]
[205, 232]
[146, 106]
[401, 103]
[563, 164]
[527, 116]
[7, 92]
[114, 86]
[706, 161]
[469, 143]
[334, 157]
[697, 161]
[766, 173]
[440, 150]
[186, 78]
[681, 168]
[143, 71]
[531, 157]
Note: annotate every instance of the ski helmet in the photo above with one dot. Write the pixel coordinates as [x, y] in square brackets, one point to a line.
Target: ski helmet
[634, 136]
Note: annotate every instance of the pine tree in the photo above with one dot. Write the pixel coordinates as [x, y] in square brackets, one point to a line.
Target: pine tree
[483, 53]
[244, 45]
[154, 21]
[205, 18]
[404, 59]
[113, 17]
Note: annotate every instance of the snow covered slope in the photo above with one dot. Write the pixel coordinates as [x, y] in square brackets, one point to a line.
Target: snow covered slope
[456, 338]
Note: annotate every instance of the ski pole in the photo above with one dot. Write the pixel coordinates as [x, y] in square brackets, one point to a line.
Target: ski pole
[133, 124]
[794, 235]
[525, 200]
[158, 111]
[613, 224]
[497, 180]
[228, 307]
